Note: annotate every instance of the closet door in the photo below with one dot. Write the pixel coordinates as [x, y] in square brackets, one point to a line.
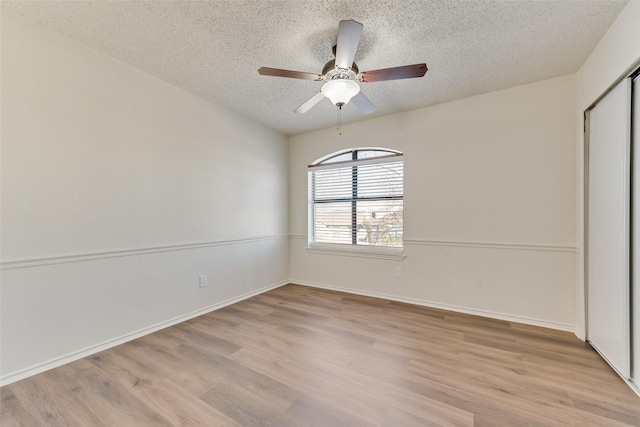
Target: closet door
[608, 228]
[635, 290]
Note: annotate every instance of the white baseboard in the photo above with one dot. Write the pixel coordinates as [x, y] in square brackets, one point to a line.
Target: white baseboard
[482, 313]
[76, 355]
[634, 386]
[629, 381]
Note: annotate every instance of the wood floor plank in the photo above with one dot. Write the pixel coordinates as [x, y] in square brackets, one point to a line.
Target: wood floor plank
[301, 356]
[398, 417]
[245, 407]
[127, 371]
[321, 381]
[362, 394]
[12, 413]
[278, 342]
[228, 371]
[179, 407]
[317, 414]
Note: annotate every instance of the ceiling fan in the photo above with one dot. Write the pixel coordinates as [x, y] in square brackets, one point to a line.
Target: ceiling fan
[341, 75]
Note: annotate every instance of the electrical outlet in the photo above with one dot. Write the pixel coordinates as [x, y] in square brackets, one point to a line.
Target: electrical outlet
[398, 272]
[203, 281]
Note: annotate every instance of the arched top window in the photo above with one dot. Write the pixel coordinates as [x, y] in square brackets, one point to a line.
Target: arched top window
[356, 200]
[351, 154]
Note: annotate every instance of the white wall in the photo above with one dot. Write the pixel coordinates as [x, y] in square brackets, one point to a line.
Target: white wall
[118, 191]
[490, 205]
[614, 56]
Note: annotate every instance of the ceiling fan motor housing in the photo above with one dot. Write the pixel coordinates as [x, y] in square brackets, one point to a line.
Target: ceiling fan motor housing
[331, 72]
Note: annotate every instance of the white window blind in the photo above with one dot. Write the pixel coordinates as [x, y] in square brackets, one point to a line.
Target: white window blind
[357, 202]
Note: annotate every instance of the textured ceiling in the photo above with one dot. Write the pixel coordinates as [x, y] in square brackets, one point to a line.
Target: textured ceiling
[213, 48]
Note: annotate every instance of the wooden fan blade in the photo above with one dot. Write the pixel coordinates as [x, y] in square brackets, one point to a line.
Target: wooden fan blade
[395, 73]
[363, 103]
[349, 33]
[266, 71]
[310, 103]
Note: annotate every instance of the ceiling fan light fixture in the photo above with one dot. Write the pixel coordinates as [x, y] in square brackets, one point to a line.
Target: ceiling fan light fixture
[340, 91]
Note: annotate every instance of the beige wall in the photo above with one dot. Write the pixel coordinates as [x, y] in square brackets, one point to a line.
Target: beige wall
[489, 205]
[118, 191]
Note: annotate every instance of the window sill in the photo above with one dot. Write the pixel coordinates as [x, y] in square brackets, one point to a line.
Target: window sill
[394, 254]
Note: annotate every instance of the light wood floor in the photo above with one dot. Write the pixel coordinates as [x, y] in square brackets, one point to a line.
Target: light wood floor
[299, 356]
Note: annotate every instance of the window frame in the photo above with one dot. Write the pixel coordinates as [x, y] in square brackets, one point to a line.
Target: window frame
[385, 155]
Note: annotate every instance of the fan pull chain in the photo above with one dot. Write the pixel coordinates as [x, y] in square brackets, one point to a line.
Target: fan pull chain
[339, 120]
